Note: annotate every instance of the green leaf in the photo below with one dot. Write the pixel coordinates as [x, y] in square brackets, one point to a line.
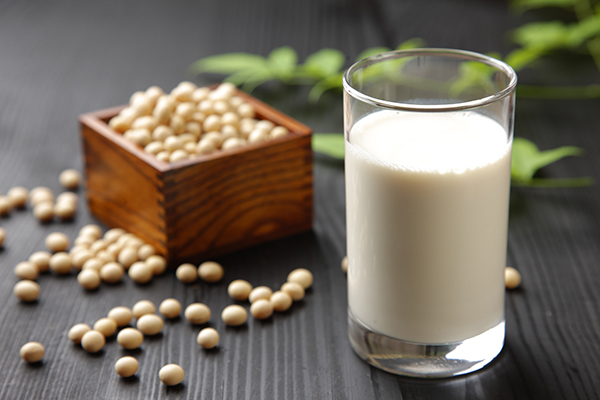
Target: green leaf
[527, 159]
[283, 61]
[257, 79]
[542, 35]
[371, 52]
[472, 75]
[229, 63]
[413, 43]
[529, 4]
[324, 63]
[329, 83]
[522, 57]
[331, 144]
[579, 33]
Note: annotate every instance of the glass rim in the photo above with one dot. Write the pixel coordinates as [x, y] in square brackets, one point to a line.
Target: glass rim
[441, 52]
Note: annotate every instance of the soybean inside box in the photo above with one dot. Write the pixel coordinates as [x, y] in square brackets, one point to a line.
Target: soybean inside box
[207, 205]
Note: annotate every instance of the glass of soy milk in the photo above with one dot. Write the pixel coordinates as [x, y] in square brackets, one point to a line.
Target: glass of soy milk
[428, 149]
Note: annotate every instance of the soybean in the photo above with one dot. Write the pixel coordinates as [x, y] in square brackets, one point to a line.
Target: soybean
[106, 326]
[126, 366]
[27, 290]
[281, 301]
[208, 338]
[261, 309]
[301, 275]
[239, 289]
[187, 273]
[89, 279]
[512, 278]
[57, 241]
[150, 324]
[171, 374]
[130, 338]
[26, 270]
[70, 179]
[93, 341]
[170, 308]
[210, 271]
[32, 352]
[77, 331]
[143, 307]
[234, 315]
[121, 315]
[197, 313]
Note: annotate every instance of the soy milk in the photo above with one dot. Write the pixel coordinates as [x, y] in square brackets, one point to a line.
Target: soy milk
[427, 216]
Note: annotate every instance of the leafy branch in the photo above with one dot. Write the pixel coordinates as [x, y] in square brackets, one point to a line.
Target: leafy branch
[323, 69]
[540, 39]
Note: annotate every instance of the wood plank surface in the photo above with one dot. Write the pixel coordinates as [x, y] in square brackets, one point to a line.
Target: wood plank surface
[63, 58]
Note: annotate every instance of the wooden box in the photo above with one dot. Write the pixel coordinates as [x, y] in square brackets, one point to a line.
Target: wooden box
[200, 208]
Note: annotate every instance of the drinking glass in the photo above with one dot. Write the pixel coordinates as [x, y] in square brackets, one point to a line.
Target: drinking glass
[428, 136]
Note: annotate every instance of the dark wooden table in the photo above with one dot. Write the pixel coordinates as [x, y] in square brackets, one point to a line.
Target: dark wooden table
[61, 58]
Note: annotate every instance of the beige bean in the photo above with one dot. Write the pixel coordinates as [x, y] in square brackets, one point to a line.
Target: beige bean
[112, 272]
[187, 273]
[32, 352]
[70, 179]
[150, 324]
[140, 272]
[130, 338]
[60, 263]
[126, 366]
[106, 326]
[171, 374]
[89, 279]
[281, 301]
[17, 196]
[294, 289]
[211, 271]
[27, 290]
[301, 275]
[208, 338]
[197, 313]
[512, 278]
[57, 241]
[261, 309]
[41, 259]
[239, 289]
[260, 292]
[143, 307]
[234, 315]
[157, 263]
[77, 331]
[93, 341]
[121, 315]
[170, 308]
[26, 270]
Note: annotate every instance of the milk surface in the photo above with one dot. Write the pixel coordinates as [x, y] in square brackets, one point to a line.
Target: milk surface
[427, 216]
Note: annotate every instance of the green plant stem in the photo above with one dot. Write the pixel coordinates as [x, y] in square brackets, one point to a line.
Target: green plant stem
[555, 182]
[583, 10]
[559, 92]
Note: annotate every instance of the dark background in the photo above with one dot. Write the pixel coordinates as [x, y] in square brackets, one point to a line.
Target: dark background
[59, 59]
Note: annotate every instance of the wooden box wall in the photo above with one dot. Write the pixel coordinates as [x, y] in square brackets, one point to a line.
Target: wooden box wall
[203, 207]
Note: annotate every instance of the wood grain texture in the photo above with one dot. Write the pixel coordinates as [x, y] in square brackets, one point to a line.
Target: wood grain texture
[63, 58]
[207, 206]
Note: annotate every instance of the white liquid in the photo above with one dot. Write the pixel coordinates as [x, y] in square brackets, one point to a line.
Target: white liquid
[427, 217]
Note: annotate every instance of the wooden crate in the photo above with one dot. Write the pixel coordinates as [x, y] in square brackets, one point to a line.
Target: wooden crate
[200, 208]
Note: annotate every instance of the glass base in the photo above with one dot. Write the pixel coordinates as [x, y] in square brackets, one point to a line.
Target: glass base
[423, 360]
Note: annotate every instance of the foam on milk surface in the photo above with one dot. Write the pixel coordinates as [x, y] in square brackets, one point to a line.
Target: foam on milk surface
[437, 143]
[427, 214]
